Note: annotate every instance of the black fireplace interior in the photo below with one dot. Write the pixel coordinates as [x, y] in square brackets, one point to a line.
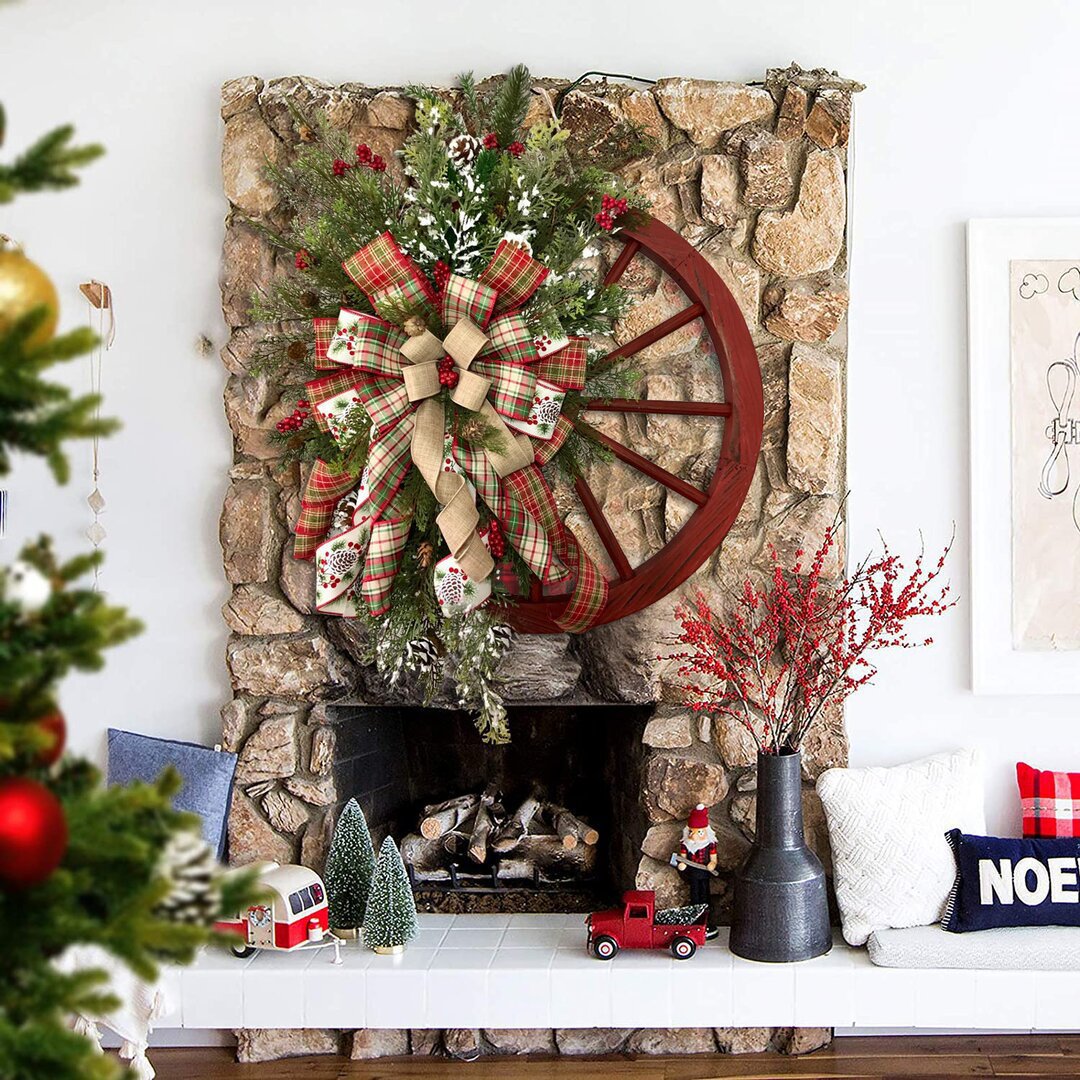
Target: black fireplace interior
[587, 758]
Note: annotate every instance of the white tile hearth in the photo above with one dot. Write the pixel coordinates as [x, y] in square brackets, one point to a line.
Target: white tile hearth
[504, 971]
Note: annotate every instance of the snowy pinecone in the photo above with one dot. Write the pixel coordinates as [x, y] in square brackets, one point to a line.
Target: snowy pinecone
[463, 149]
[501, 637]
[189, 865]
[343, 512]
[421, 656]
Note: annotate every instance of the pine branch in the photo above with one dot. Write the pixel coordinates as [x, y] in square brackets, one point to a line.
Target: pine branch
[511, 104]
[47, 164]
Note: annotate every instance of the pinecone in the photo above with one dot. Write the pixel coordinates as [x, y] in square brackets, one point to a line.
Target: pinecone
[414, 326]
[191, 869]
[472, 429]
[297, 350]
[463, 149]
[425, 553]
[421, 656]
[501, 636]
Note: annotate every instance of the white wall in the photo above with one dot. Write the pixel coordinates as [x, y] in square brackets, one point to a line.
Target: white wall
[970, 111]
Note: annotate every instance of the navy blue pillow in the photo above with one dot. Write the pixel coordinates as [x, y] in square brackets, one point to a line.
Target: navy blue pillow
[1006, 882]
[207, 776]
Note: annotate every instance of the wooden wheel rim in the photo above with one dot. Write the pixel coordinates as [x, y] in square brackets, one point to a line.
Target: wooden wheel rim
[742, 407]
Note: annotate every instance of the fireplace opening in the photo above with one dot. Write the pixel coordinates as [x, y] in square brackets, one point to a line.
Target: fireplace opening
[551, 822]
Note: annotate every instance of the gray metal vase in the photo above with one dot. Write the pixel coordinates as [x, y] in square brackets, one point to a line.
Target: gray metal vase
[781, 909]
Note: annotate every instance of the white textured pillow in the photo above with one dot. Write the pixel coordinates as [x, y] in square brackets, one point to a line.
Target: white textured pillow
[892, 866]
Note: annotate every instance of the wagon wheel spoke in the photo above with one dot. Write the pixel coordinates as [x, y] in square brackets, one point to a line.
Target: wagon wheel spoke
[652, 336]
[655, 405]
[646, 467]
[604, 530]
[618, 268]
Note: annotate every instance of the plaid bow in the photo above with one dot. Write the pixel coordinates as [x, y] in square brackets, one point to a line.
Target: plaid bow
[363, 357]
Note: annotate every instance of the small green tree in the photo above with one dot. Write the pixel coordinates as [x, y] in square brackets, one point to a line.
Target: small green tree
[391, 911]
[349, 868]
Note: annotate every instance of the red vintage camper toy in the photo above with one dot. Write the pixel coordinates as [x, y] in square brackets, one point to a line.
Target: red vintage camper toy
[638, 925]
[292, 916]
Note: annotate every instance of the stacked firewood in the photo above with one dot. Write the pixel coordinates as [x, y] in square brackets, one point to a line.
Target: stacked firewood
[475, 833]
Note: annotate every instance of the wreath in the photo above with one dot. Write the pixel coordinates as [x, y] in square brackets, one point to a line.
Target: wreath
[448, 319]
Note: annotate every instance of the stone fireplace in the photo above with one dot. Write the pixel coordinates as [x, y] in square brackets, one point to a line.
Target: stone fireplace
[755, 178]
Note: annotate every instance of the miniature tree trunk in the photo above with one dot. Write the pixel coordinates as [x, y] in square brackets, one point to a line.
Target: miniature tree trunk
[390, 920]
[350, 866]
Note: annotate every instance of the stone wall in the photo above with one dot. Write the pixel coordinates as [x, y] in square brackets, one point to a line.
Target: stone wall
[754, 176]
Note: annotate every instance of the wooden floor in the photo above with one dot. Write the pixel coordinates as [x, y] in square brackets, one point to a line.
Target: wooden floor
[877, 1057]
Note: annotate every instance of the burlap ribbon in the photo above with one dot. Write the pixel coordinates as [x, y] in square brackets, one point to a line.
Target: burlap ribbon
[459, 518]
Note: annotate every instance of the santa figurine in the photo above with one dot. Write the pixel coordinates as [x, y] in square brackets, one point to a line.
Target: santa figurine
[696, 857]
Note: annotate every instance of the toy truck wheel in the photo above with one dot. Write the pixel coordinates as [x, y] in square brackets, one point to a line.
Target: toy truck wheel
[605, 947]
[241, 952]
[682, 948]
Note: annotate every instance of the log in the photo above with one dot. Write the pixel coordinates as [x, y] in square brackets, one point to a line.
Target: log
[422, 854]
[571, 828]
[517, 826]
[442, 817]
[478, 841]
[547, 854]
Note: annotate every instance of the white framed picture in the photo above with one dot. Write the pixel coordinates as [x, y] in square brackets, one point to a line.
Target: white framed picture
[1024, 369]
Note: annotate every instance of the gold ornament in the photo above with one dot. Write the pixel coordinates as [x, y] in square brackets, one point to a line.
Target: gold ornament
[23, 287]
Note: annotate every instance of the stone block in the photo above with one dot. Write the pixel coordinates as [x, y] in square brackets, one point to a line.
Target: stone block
[371, 1043]
[662, 879]
[764, 166]
[247, 261]
[299, 667]
[287, 814]
[746, 1040]
[539, 667]
[705, 109]
[671, 1041]
[676, 783]
[829, 122]
[734, 743]
[792, 116]
[249, 145]
[805, 310]
[256, 1045]
[669, 728]
[584, 1042]
[815, 421]
[810, 237]
[802, 1040]
[239, 95]
[247, 532]
[253, 609]
[521, 1040]
[270, 753]
[252, 838]
[720, 185]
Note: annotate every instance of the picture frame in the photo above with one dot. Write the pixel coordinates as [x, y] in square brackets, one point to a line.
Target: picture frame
[998, 666]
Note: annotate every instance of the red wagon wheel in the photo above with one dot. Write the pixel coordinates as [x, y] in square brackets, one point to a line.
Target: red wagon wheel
[740, 408]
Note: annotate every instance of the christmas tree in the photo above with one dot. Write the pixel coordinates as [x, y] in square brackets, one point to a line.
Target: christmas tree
[349, 868]
[390, 920]
[79, 863]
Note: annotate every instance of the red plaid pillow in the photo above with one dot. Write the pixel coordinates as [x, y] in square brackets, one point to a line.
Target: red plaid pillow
[1050, 801]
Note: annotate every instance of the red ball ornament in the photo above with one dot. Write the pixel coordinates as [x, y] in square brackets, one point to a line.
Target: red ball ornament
[33, 832]
[53, 725]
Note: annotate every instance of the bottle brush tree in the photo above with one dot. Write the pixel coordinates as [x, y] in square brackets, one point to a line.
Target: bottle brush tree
[390, 920]
[350, 866]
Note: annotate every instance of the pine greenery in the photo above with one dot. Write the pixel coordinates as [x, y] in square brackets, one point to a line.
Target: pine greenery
[474, 175]
[350, 865]
[390, 920]
[113, 887]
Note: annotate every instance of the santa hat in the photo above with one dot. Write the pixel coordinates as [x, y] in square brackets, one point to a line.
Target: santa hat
[699, 817]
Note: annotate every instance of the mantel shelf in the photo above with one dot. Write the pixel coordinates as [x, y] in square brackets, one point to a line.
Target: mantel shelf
[502, 971]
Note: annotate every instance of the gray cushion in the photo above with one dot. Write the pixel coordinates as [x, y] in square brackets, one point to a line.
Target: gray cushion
[1045, 948]
[207, 776]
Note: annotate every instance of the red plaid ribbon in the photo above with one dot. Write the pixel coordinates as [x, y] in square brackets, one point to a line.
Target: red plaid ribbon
[388, 536]
[590, 586]
[325, 329]
[324, 488]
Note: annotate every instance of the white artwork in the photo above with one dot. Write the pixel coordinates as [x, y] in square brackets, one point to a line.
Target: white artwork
[1044, 338]
[1024, 367]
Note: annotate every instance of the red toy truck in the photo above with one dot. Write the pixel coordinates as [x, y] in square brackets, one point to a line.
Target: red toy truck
[638, 925]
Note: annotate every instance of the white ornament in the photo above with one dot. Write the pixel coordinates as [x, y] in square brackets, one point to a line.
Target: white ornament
[27, 587]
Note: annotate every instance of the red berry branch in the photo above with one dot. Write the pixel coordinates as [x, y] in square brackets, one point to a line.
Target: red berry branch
[800, 642]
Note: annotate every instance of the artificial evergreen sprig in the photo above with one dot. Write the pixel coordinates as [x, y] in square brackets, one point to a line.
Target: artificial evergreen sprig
[36, 416]
[48, 164]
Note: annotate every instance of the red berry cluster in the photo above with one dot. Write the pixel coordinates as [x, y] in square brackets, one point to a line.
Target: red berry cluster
[295, 421]
[490, 141]
[448, 375]
[610, 209]
[496, 540]
[442, 275]
[516, 149]
[365, 156]
[303, 259]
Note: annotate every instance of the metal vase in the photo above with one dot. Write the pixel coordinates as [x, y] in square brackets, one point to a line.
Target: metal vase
[781, 908]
